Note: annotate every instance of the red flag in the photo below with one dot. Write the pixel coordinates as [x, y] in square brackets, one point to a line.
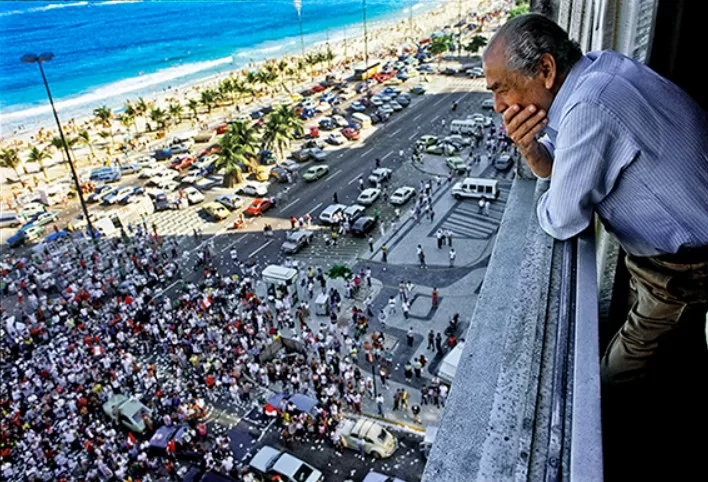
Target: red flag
[131, 439]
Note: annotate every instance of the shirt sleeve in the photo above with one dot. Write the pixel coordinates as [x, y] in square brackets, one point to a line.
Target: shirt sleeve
[592, 148]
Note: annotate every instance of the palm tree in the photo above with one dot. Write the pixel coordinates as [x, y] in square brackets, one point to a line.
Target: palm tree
[175, 110]
[252, 80]
[159, 117]
[84, 138]
[226, 89]
[279, 131]
[104, 118]
[127, 120]
[240, 88]
[209, 98]
[266, 78]
[39, 156]
[9, 157]
[440, 45]
[58, 144]
[238, 147]
[477, 42]
[142, 107]
[193, 106]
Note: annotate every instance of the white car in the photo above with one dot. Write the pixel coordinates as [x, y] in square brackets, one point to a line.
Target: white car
[475, 72]
[289, 165]
[377, 101]
[353, 212]
[340, 121]
[192, 177]
[30, 209]
[396, 106]
[150, 171]
[336, 138]
[402, 195]
[332, 213]
[231, 201]
[386, 108]
[118, 196]
[270, 462]
[381, 174]
[368, 196]
[193, 195]
[488, 104]
[168, 185]
[255, 190]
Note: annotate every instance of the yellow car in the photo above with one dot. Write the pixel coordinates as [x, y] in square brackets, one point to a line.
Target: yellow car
[296, 97]
[216, 210]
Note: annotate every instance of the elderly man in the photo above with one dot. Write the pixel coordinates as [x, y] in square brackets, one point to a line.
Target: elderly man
[621, 142]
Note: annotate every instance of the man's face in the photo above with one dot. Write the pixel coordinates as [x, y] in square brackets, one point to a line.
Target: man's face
[513, 88]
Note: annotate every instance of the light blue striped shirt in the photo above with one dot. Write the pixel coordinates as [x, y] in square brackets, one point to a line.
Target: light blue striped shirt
[632, 147]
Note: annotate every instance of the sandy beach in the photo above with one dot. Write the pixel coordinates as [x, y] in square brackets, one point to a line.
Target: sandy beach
[384, 38]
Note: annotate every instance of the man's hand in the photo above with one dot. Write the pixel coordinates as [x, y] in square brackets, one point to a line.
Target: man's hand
[523, 125]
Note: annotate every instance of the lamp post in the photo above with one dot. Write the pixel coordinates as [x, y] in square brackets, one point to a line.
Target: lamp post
[366, 48]
[39, 60]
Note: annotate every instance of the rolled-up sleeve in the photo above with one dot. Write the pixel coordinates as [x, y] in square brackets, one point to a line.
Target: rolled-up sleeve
[592, 148]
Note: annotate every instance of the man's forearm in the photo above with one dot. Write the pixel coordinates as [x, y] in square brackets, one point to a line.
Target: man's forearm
[538, 159]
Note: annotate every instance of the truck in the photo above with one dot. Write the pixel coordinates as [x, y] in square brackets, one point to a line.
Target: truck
[53, 194]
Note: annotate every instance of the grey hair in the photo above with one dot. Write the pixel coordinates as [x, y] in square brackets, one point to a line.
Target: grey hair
[528, 37]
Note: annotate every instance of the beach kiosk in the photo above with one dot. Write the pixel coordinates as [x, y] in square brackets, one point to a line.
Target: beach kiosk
[363, 72]
[280, 281]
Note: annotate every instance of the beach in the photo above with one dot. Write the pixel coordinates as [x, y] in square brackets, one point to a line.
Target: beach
[383, 38]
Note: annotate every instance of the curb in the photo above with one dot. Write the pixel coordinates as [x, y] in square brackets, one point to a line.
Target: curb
[413, 428]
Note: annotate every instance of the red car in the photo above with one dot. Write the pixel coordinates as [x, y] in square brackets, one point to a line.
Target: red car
[210, 150]
[317, 88]
[258, 206]
[183, 163]
[350, 133]
[222, 128]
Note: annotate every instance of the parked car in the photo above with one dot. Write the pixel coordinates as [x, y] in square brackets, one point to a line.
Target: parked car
[42, 219]
[231, 201]
[475, 72]
[118, 195]
[179, 436]
[128, 412]
[332, 213]
[353, 212]
[456, 164]
[503, 162]
[99, 194]
[315, 172]
[193, 195]
[378, 442]
[418, 90]
[351, 133]
[402, 195]
[258, 207]
[131, 168]
[357, 107]
[368, 196]
[216, 211]
[163, 203]
[363, 226]
[296, 240]
[336, 138]
[380, 175]
[488, 104]
[273, 464]
[256, 190]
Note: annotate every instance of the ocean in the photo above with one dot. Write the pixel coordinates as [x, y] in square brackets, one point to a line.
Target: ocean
[108, 51]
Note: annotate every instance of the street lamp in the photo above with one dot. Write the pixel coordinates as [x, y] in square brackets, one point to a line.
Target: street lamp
[39, 59]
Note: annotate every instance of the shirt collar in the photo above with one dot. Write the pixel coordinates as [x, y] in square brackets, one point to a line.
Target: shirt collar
[567, 88]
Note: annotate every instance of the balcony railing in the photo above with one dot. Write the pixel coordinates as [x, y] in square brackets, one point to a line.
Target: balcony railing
[525, 404]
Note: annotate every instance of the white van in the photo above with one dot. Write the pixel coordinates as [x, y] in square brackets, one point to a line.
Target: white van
[448, 366]
[331, 212]
[463, 126]
[472, 187]
[362, 119]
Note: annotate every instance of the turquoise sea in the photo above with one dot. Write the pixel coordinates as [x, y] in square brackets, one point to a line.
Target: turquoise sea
[108, 51]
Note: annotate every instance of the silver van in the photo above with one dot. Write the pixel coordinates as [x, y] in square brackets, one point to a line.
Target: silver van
[10, 220]
[472, 187]
[503, 162]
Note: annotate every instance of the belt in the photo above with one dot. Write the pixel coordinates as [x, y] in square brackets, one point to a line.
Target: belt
[686, 255]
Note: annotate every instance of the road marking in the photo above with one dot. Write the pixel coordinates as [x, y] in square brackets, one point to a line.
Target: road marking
[368, 152]
[412, 136]
[335, 173]
[314, 208]
[417, 117]
[441, 100]
[396, 132]
[289, 205]
[354, 180]
[232, 244]
[386, 156]
[435, 118]
[258, 250]
[340, 156]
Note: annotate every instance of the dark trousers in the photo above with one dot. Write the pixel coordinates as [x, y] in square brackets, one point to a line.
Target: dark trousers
[667, 289]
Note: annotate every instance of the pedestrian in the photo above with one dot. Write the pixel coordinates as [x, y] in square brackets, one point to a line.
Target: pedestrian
[616, 175]
[435, 298]
[408, 371]
[431, 340]
[487, 204]
[415, 409]
[379, 405]
[383, 376]
[421, 259]
[361, 184]
[438, 343]
[392, 305]
[410, 336]
[384, 253]
[234, 255]
[481, 204]
[439, 237]
[405, 308]
[448, 235]
[418, 368]
[452, 257]
[293, 222]
[396, 400]
[371, 244]
[443, 122]
[335, 198]
[404, 398]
